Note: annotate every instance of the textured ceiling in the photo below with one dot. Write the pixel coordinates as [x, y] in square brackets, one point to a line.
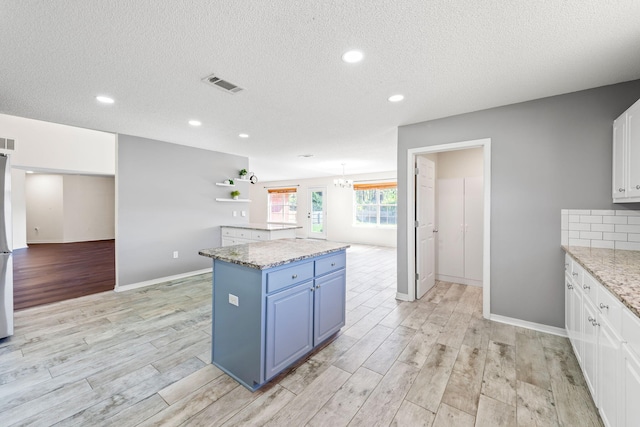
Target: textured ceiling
[447, 57]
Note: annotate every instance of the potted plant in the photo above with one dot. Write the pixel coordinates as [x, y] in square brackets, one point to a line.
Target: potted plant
[230, 182]
[243, 173]
[235, 194]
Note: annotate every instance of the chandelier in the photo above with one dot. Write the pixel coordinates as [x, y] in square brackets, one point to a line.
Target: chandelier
[342, 182]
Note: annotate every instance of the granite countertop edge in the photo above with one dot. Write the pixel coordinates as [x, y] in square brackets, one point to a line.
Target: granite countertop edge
[264, 227]
[227, 254]
[627, 291]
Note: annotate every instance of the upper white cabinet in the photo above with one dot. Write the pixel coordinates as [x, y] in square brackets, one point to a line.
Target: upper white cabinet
[626, 156]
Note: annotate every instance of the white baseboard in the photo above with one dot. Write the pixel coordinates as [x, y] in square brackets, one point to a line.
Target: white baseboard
[530, 325]
[402, 297]
[160, 280]
[460, 280]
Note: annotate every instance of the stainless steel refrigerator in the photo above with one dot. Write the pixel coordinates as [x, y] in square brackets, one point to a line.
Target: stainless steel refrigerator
[6, 261]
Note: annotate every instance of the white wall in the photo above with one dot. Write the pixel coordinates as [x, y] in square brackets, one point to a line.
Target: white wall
[54, 147]
[45, 210]
[69, 208]
[18, 211]
[89, 208]
[51, 147]
[339, 209]
[460, 163]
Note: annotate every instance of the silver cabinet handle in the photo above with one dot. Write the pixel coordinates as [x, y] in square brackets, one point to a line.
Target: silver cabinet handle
[569, 286]
[604, 306]
[435, 230]
[637, 187]
[621, 190]
[311, 289]
[594, 323]
[295, 276]
[574, 274]
[333, 264]
[590, 319]
[317, 286]
[586, 287]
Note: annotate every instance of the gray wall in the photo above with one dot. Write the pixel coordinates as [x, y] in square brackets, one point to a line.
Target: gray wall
[166, 202]
[546, 155]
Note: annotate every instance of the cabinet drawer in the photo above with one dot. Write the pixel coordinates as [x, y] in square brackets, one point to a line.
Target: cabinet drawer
[631, 330]
[289, 276]
[243, 234]
[259, 235]
[590, 287]
[610, 308]
[330, 263]
[228, 232]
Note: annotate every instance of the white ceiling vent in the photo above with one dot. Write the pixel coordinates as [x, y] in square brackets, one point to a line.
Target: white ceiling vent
[224, 85]
[7, 144]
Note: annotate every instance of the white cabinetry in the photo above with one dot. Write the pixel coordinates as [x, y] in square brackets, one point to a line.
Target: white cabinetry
[626, 156]
[605, 337]
[237, 236]
[460, 226]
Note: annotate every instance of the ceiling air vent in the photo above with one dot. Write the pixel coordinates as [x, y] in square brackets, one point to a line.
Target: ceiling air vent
[224, 85]
[7, 144]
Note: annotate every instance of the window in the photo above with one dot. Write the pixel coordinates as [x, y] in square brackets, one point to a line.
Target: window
[282, 205]
[376, 204]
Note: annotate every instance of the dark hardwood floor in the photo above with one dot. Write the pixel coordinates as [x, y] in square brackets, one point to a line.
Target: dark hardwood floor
[45, 273]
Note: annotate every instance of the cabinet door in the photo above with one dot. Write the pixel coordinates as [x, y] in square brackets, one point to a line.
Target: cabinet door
[633, 150]
[590, 346]
[329, 306]
[575, 331]
[630, 379]
[608, 367]
[289, 328]
[619, 189]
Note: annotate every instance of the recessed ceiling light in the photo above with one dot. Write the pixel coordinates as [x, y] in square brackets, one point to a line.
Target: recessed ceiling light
[105, 99]
[305, 155]
[352, 56]
[243, 135]
[396, 98]
[194, 123]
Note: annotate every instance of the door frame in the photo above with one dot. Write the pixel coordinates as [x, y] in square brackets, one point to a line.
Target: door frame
[485, 144]
[324, 212]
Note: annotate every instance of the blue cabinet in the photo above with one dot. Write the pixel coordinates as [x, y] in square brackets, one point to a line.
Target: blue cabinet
[265, 320]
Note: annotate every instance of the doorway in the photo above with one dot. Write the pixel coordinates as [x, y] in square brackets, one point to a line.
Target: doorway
[317, 215]
[413, 245]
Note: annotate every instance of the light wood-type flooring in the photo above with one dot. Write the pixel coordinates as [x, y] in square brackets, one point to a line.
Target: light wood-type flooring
[142, 358]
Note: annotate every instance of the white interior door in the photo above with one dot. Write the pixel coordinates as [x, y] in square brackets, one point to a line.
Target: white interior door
[425, 215]
[450, 228]
[473, 227]
[317, 213]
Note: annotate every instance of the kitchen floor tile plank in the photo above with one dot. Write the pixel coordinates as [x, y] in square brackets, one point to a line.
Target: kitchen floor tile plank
[465, 382]
[262, 409]
[183, 387]
[499, 379]
[574, 405]
[418, 349]
[412, 415]
[346, 402]
[430, 384]
[531, 363]
[493, 413]
[448, 416]
[305, 405]
[353, 358]
[453, 332]
[536, 407]
[385, 400]
[383, 358]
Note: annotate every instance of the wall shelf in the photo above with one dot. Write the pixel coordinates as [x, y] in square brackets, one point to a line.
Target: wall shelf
[222, 184]
[218, 199]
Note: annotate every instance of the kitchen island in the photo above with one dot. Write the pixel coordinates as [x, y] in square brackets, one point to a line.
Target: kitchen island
[274, 302]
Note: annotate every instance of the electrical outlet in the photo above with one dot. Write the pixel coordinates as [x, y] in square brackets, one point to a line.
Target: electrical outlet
[235, 213]
[233, 300]
[175, 254]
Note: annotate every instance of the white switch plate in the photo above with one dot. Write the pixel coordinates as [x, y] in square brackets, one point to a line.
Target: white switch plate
[235, 213]
[175, 254]
[233, 300]
[244, 213]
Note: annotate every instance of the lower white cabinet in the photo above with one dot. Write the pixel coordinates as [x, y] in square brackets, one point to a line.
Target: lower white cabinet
[630, 386]
[605, 336]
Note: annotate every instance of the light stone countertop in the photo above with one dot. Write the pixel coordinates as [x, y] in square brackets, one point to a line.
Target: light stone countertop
[617, 270]
[264, 226]
[271, 253]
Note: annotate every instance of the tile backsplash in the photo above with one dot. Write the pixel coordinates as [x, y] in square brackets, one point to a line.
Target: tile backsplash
[597, 228]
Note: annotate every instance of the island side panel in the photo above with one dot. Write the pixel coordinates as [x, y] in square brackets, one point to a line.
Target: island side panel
[238, 334]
